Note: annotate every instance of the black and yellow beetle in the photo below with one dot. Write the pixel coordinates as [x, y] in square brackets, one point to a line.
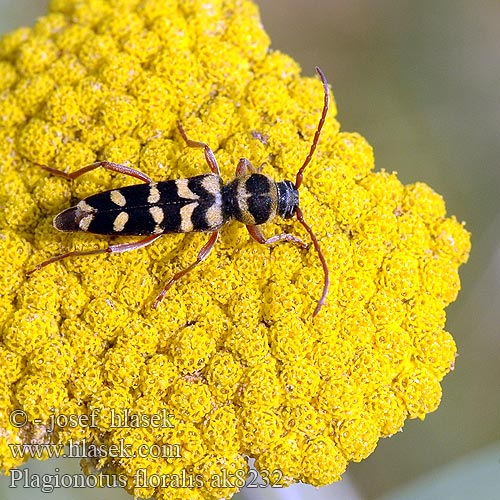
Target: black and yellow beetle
[202, 203]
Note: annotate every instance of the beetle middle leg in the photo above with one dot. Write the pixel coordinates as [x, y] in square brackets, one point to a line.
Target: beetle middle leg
[209, 154]
[202, 255]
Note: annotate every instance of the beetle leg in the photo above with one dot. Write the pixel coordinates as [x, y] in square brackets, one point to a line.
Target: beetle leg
[209, 154]
[258, 235]
[115, 167]
[123, 247]
[204, 252]
[245, 165]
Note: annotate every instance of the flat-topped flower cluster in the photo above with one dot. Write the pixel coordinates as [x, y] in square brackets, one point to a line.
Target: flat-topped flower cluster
[232, 352]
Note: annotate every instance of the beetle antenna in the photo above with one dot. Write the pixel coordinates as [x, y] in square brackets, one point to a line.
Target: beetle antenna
[298, 182]
[326, 284]
[326, 105]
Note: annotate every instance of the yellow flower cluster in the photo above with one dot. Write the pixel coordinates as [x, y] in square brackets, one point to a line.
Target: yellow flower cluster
[231, 355]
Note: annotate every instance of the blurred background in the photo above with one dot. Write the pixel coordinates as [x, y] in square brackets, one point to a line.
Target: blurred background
[421, 82]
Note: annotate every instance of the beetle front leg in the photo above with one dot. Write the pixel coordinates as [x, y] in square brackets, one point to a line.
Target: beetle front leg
[258, 235]
[245, 165]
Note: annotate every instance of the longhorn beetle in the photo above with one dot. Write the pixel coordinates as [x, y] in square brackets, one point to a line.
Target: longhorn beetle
[202, 203]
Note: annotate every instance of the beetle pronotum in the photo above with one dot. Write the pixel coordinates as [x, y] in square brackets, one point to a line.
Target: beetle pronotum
[202, 204]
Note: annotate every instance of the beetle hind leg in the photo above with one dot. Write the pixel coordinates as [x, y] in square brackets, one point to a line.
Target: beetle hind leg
[123, 247]
[115, 167]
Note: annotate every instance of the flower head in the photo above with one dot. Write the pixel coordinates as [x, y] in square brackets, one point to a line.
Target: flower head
[231, 357]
